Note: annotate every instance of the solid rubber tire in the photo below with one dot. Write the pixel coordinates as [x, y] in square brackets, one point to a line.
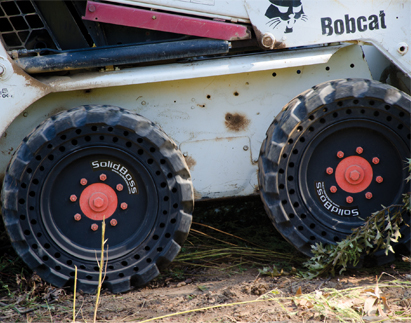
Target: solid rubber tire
[81, 130]
[285, 154]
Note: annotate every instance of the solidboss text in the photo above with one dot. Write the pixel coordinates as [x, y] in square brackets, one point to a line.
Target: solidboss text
[351, 25]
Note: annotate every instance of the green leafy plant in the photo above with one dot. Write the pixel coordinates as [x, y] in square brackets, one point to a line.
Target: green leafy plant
[379, 231]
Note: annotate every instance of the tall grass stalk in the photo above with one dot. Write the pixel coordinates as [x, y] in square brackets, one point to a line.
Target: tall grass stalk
[101, 268]
[74, 296]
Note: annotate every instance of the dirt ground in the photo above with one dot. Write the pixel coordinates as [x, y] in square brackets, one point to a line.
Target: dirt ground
[222, 289]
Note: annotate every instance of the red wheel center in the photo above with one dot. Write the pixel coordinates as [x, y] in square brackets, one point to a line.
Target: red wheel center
[354, 174]
[98, 201]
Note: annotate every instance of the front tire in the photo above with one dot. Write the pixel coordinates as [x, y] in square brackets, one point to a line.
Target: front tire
[335, 154]
[89, 164]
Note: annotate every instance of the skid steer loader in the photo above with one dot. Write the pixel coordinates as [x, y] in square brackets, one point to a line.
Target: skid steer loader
[129, 111]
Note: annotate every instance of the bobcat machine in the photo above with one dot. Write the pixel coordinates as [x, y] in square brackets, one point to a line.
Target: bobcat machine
[129, 111]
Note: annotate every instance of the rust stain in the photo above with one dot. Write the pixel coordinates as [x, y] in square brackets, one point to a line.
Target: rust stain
[236, 122]
[190, 162]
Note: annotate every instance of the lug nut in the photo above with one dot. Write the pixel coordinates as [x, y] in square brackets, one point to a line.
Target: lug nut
[119, 187]
[368, 195]
[349, 199]
[73, 198]
[83, 181]
[329, 170]
[359, 150]
[113, 222]
[340, 154]
[124, 206]
[94, 227]
[77, 216]
[375, 160]
[103, 177]
[379, 179]
[333, 189]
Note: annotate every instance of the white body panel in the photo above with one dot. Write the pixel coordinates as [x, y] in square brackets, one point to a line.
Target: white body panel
[193, 110]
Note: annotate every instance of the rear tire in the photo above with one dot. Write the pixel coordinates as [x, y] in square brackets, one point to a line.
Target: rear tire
[299, 165]
[90, 163]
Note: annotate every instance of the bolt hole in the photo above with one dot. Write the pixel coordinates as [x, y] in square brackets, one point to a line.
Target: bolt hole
[135, 269]
[299, 128]
[74, 142]
[290, 178]
[150, 161]
[336, 239]
[163, 184]
[291, 215]
[166, 198]
[32, 194]
[300, 228]
[35, 181]
[47, 246]
[167, 235]
[312, 238]
[124, 263]
[174, 190]
[311, 117]
[69, 262]
[140, 152]
[22, 201]
[34, 246]
[27, 232]
[148, 260]
[376, 114]
[33, 222]
[78, 131]
[110, 129]
[295, 151]
[101, 137]
[298, 71]
[140, 140]
[162, 225]
[159, 249]
[165, 212]
[371, 102]
[121, 275]
[175, 205]
[303, 216]
[152, 149]
[39, 234]
[400, 126]
[302, 139]
[387, 107]
[49, 146]
[340, 103]
[89, 277]
[327, 68]
[291, 165]
[57, 255]
[236, 93]
[173, 221]
[281, 171]
[281, 186]
[325, 109]
[274, 74]
[87, 138]
[362, 111]
[22, 217]
[162, 161]
[23, 185]
[352, 65]
[51, 157]
[128, 144]
[335, 114]
[155, 237]
[136, 257]
[389, 118]
[169, 175]
[323, 233]
[401, 114]
[94, 128]
[290, 141]
[296, 204]
[82, 267]
[291, 191]
[63, 137]
[72, 273]
[147, 248]
[115, 139]
[62, 149]
[38, 157]
[58, 268]
[311, 129]
[312, 226]
[29, 170]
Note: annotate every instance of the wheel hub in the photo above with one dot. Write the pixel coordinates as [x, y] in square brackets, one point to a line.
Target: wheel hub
[98, 201]
[354, 174]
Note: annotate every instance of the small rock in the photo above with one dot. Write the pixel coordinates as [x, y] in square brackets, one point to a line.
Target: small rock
[181, 284]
